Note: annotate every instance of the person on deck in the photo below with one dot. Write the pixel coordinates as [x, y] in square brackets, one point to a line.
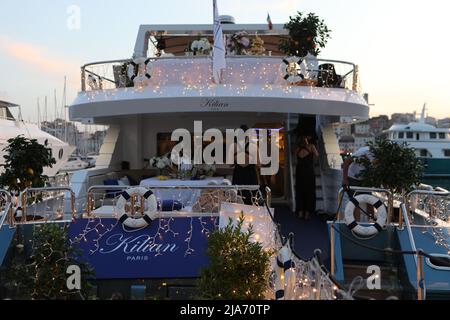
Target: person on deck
[306, 153]
[351, 176]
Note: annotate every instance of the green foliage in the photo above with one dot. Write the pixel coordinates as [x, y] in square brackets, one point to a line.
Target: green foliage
[308, 33]
[41, 275]
[25, 161]
[239, 268]
[395, 167]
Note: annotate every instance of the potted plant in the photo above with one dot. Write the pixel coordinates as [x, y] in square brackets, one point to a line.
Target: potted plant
[395, 167]
[307, 34]
[238, 43]
[239, 267]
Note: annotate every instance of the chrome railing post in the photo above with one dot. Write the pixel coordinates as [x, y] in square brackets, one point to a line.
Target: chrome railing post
[269, 196]
[420, 279]
[83, 78]
[7, 210]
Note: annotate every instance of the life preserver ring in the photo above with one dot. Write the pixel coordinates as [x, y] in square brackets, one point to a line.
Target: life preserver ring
[285, 274]
[149, 215]
[366, 231]
[293, 69]
[134, 70]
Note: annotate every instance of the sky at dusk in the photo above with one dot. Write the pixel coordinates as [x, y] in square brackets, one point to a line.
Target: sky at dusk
[401, 46]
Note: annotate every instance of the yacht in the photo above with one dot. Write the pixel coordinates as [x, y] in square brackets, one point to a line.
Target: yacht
[75, 163]
[431, 144]
[156, 246]
[11, 127]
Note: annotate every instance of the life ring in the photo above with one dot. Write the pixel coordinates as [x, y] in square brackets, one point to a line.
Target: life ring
[365, 231]
[149, 215]
[285, 274]
[293, 69]
[136, 75]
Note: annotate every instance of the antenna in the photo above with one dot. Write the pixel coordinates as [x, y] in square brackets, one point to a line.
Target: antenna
[39, 113]
[422, 116]
[45, 110]
[64, 108]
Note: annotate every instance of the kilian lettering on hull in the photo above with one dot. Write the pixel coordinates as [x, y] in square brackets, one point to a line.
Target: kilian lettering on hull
[214, 103]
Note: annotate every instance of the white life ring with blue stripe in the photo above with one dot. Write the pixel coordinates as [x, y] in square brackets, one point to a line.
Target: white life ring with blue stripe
[293, 69]
[150, 214]
[285, 274]
[138, 64]
[370, 230]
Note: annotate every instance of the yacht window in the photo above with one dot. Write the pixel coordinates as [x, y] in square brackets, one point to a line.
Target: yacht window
[447, 153]
[423, 153]
[417, 136]
[433, 135]
[409, 135]
[441, 135]
[401, 135]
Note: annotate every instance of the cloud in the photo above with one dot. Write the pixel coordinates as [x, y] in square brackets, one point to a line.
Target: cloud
[37, 57]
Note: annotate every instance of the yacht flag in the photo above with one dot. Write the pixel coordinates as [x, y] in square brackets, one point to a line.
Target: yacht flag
[219, 48]
[269, 21]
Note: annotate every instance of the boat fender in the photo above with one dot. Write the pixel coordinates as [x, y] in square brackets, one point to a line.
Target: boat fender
[285, 274]
[293, 69]
[150, 214]
[358, 229]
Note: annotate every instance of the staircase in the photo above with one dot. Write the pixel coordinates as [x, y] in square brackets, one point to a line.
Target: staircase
[292, 123]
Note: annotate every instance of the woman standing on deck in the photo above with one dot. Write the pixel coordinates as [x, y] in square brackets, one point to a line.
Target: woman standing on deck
[305, 178]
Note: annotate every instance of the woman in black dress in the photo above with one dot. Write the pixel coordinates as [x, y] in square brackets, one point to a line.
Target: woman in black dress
[305, 178]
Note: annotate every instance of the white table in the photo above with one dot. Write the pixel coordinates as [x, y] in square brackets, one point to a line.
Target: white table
[186, 196]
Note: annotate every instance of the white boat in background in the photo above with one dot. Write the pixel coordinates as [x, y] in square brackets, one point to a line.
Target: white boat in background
[431, 144]
[75, 163]
[11, 127]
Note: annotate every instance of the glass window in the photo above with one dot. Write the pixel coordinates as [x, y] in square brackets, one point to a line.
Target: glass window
[441, 135]
[423, 152]
[409, 135]
[447, 153]
[433, 135]
[401, 135]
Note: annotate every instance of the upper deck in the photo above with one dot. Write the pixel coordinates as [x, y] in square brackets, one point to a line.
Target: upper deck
[170, 77]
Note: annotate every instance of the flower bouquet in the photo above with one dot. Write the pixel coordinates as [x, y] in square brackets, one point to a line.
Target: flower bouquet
[201, 47]
[238, 43]
[163, 164]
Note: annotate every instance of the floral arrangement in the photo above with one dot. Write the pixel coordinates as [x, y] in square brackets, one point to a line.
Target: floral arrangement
[201, 46]
[161, 163]
[238, 43]
[257, 47]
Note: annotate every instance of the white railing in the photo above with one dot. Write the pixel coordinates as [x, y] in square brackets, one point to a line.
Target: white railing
[196, 71]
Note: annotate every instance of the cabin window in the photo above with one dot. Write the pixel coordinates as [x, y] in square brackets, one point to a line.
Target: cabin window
[417, 136]
[433, 135]
[447, 153]
[423, 152]
[401, 135]
[441, 135]
[409, 135]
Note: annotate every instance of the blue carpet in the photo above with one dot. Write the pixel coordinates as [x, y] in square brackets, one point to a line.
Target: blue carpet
[309, 235]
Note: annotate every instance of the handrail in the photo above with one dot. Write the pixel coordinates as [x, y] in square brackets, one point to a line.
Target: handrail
[291, 165]
[417, 257]
[354, 70]
[7, 207]
[24, 199]
[89, 201]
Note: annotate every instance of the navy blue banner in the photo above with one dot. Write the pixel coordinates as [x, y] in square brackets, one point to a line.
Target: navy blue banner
[168, 248]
